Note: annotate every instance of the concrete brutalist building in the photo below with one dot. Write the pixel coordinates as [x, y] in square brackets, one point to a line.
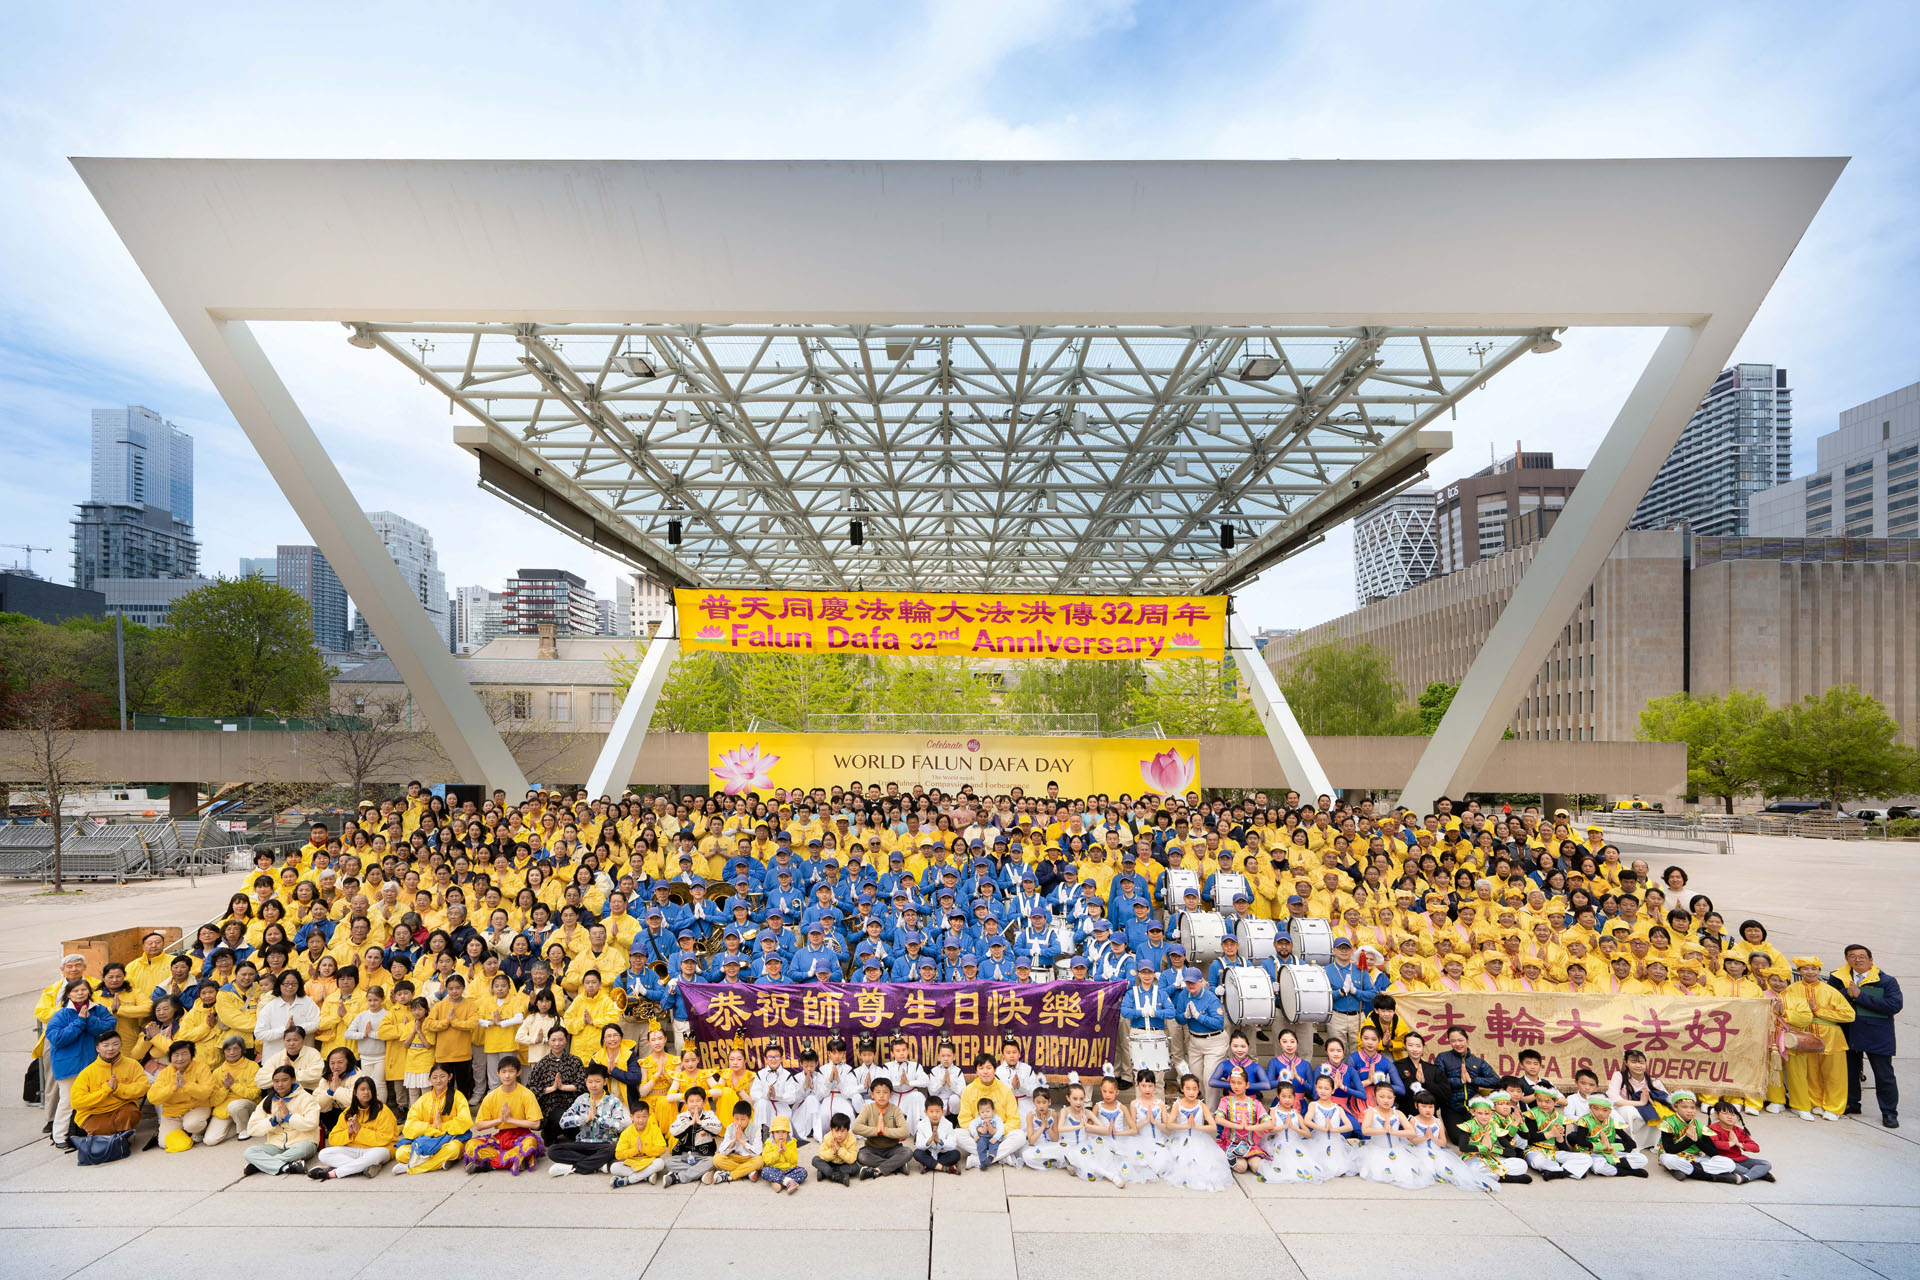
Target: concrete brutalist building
[1784, 617]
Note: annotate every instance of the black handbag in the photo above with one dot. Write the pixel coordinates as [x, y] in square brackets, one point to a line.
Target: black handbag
[30, 1087]
[102, 1148]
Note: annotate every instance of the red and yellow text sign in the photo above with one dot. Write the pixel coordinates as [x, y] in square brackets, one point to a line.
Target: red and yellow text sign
[927, 624]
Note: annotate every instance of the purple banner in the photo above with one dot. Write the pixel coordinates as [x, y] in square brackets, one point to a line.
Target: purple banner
[1060, 1026]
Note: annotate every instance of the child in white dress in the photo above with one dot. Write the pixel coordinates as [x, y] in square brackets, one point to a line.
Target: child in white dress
[1149, 1127]
[1292, 1141]
[1042, 1149]
[1384, 1157]
[1194, 1159]
[1430, 1153]
[1330, 1124]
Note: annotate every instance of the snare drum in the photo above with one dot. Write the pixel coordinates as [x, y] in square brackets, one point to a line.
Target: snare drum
[1256, 939]
[1227, 886]
[1179, 880]
[1305, 994]
[1249, 996]
[1312, 940]
[1152, 1051]
[1200, 934]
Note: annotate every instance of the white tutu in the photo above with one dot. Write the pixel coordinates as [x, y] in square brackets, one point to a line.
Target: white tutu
[1470, 1173]
[1192, 1159]
[1043, 1155]
[1293, 1159]
[1332, 1153]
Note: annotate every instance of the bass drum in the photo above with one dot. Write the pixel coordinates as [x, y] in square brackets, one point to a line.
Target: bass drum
[1256, 939]
[1305, 994]
[1200, 934]
[1312, 940]
[1227, 886]
[1179, 881]
[1249, 996]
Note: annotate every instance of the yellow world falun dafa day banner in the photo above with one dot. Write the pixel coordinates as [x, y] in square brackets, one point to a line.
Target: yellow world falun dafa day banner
[761, 763]
[948, 624]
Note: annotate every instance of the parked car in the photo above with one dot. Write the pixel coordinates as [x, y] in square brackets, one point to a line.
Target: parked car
[1867, 815]
[1898, 811]
[1799, 806]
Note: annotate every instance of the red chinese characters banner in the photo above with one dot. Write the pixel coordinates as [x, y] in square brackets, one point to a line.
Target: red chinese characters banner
[926, 624]
[1060, 1026]
[1714, 1045]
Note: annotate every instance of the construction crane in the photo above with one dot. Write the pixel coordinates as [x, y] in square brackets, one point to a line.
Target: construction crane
[21, 546]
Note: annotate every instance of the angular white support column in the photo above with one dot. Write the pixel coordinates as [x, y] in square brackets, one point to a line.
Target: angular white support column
[320, 497]
[614, 769]
[1643, 434]
[1297, 761]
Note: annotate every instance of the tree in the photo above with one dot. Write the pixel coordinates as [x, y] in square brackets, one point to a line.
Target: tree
[46, 710]
[534, 750]
[1725, 737]
[363, 739]
[1841, 745]
[1057, 686]
[1190, 696]
[941, 686]
[699, 695]
[1433, 703]
[242, 647]
[786, 688]
[1344, 689]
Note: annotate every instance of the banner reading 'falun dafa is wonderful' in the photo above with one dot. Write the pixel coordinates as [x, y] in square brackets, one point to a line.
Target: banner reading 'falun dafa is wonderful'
[931, 624]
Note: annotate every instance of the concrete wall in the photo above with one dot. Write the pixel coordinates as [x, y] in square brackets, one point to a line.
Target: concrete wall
[1381, 764]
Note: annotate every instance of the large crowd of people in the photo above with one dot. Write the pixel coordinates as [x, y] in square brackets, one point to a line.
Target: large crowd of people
[498, 986]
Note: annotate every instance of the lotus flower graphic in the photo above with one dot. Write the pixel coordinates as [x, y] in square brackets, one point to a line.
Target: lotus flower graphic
[1184, 640]
[745, 769]
[712, 633]
[1168, 773]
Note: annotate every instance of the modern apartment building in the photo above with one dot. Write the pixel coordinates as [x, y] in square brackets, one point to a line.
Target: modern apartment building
[1395, 545]
[1738, 442]
[1866, 483]
[553, 596]
[305, 571]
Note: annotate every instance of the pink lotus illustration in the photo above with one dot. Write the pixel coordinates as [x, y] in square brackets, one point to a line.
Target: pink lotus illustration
[1168, 773]
[745, 769]
[712, 633]
[1184, 640]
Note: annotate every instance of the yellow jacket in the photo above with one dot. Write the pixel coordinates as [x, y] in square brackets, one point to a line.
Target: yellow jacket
[335, 1016]
[130, 1009]
[233, 1080]
[377, 1132]
[640, 1143]
[433, 1117]
[610, 963]
[201, 1025]
[238, 1013]
[1819, 1009]
[1003, 1103]
[101, 1086]
[776, 1154]
[585, 1018]
[510, 1011]
[453, 1026]
[176, 1093]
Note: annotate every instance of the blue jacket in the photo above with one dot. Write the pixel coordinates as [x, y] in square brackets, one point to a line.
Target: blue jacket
[1133, 1008]
[1871, 1030]
[1363, 989]
[70, 1038]
[1200, 1014]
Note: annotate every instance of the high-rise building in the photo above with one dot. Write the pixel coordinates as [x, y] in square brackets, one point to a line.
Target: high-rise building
[411, 548]
[535, 596]
[142, 460]
[641, 605]
[1472, 515]
[267, 567]
[478, 616]
[1866, 483]
[1394, 545]
[115, 541]
[1738, 442]
[604, 622]
[304, 571]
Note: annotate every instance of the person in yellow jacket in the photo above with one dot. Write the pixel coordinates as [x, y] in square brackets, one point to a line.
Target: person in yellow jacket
[338, 1009]
[506, 1133]
[780, 1166]
[452, 1022]
[361, 1139]
[182, 1092]
[150, 968]
[287, 1124]
[128, 1004]
[238, 1004]
[234, 1092]
[599, 955]
[590, 1013]
[1817, 1081]
[108, 1091]
[502, 1010]
[438, 1126]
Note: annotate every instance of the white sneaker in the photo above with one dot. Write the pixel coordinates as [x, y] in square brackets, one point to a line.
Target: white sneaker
[1817, 1111]
[559, 1170]
[1805, 1115]
[1831, 1115]
[1750, 1109]
[1775, 1108]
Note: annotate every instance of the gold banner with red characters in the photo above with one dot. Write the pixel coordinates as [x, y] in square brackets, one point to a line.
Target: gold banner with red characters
[1714, 1046]
[945, 624]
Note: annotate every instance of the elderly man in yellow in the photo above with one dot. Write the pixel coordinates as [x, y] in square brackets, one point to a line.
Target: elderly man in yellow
[182, 1092]
[287, 1124]
[1817, 1081]
[234, 1091]
[599, 954]
[590, 1013]
[108, 1091]
[438, 1125]
[506, 1133]
[151, 967]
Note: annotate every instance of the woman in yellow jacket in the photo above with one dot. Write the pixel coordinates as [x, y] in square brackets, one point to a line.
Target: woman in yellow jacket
[201, 1025]
[506, 1133]
[362, 1138]
[438, 1126]
[234, 1092]
[129, 1005]
[182, 1092]
[1817, 1081]
[107, 1092]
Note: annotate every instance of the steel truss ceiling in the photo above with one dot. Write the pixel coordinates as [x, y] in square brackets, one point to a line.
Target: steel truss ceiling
[977, 457]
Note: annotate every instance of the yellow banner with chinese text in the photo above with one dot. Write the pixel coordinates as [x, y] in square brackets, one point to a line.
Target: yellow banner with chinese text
[1714, 1046]
[761, 763]
[946, 624]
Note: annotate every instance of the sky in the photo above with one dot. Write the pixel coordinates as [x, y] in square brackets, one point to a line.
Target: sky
[972, 79]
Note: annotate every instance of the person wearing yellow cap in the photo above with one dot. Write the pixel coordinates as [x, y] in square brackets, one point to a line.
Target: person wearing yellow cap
[1817, 1078]
[780, 1166]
